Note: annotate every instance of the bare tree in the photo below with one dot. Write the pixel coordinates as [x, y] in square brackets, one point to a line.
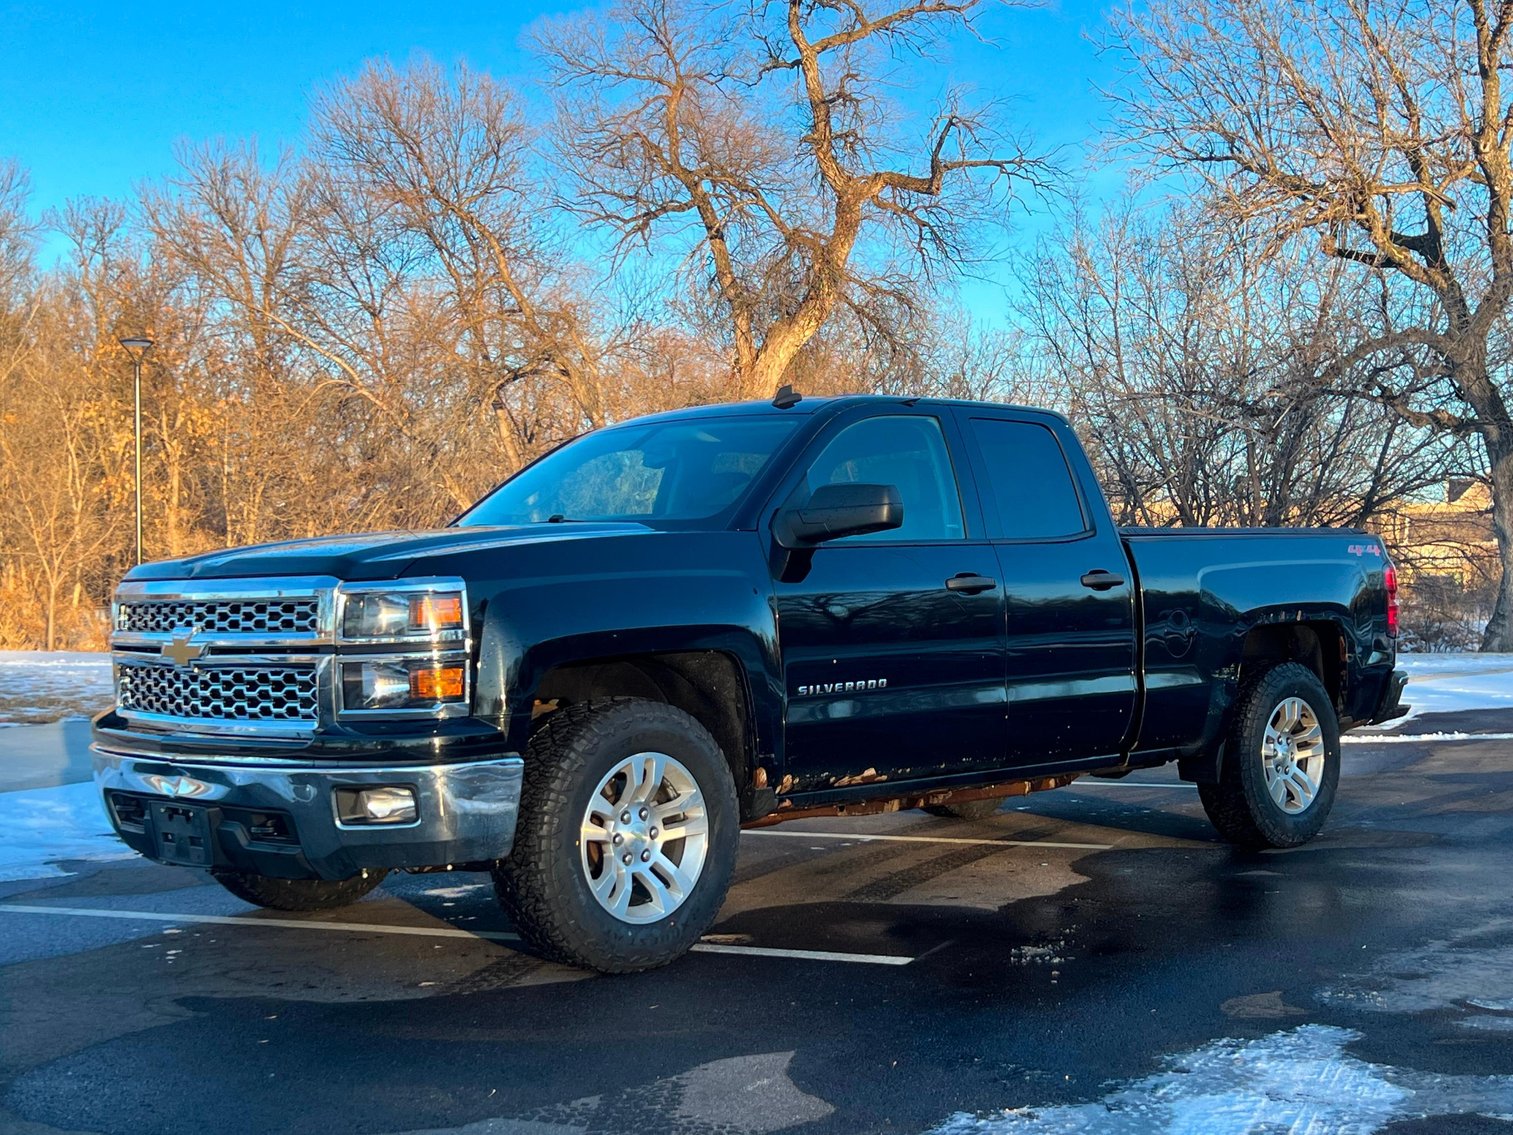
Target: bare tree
[63, 447]
[1383, 130]
[762, 138]
[1197, 365]
[17, 234]
[440, 161]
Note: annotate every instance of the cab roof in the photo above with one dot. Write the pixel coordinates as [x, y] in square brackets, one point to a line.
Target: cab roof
[830, 405]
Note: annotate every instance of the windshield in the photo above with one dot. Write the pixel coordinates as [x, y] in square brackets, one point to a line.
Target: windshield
[673, 472]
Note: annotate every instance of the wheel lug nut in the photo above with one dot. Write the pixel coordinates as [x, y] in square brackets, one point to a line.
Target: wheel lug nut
[619, 839]
[627, 857]
[625, 817]
[645, 856]
[652, 833]
[644, 813]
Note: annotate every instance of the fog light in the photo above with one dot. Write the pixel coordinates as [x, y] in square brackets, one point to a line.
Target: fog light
[390, 804]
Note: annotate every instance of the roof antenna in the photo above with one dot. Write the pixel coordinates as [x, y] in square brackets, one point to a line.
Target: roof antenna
[787, 397]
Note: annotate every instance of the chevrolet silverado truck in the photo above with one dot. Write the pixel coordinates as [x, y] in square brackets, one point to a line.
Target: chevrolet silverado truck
[719, 617]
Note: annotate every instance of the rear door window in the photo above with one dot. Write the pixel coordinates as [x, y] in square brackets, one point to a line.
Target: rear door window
[1030, 491]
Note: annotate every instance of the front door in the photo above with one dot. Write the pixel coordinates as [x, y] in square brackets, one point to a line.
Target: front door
[891, 642]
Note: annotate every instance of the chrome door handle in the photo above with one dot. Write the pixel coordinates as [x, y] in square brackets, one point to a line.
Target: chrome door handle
[969, 583]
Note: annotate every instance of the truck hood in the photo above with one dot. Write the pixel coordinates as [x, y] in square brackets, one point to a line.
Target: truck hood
[368, 555]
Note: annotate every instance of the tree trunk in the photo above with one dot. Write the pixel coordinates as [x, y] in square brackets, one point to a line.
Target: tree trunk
[50, 637]
[1499, 633]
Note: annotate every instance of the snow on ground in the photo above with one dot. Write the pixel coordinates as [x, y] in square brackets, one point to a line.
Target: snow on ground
[43, 825]
[1445, 683]
[38, 686]
[1466, 980]
[1301, 1080]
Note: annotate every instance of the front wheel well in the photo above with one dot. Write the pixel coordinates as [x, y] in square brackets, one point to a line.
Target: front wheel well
[708, 685]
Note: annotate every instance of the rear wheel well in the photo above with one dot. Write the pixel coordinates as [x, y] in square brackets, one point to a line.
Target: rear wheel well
[1317, 645]
[708, 685]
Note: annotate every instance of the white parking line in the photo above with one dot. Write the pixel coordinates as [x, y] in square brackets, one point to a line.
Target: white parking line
[806, 955]
[864, 837]
[431, 932]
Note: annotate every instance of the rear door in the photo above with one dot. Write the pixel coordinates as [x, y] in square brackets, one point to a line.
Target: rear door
[1068, 589]
[892, 643]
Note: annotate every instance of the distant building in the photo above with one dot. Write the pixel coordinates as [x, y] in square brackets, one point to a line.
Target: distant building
[1448, 540]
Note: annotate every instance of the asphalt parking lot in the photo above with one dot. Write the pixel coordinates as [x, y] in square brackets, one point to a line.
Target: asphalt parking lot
[1091, 959]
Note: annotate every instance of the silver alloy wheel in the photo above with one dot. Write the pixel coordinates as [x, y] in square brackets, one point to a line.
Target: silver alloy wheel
[1293, 756]
[644, 839]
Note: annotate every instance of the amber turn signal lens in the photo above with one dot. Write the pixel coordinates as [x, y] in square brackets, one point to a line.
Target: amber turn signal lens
[442, 683]
[436, 612]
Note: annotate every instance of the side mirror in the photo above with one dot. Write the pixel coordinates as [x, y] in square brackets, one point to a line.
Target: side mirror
[839, 510]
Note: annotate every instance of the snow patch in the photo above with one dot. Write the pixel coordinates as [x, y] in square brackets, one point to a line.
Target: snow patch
[1487, 1024]
[38, 686]
[1448, 683]
[1468, 974]
[44, 825]
[1301, 1082]
[1039, 955]
[1418, 738]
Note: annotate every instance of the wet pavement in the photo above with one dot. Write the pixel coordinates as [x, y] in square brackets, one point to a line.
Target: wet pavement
[1092, 957]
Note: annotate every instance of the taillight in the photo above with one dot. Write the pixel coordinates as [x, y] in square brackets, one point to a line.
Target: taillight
[1389, 577]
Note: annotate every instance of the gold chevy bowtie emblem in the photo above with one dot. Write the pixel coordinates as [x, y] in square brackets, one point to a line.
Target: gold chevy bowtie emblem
[181, 651]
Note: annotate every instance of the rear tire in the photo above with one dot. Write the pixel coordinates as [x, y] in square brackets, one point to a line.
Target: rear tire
[593, 881]
[967, 809]
[1281, 762]
[298, 894]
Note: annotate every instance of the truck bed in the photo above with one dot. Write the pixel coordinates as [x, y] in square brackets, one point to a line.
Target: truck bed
[1203, 591]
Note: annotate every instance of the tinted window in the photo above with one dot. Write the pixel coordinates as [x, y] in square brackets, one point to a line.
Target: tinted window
[907, 452]
[1031, 485]
[671, 472]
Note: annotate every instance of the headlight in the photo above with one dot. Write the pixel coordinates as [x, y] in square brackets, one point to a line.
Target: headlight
[404, 683]
[430, 611]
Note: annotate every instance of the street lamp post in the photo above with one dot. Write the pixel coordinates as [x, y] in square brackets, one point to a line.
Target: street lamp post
[137, 346]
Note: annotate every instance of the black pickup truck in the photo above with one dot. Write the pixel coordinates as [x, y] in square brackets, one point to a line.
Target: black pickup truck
[725, 616]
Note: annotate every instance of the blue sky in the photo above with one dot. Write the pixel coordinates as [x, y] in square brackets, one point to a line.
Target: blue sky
[94, 96]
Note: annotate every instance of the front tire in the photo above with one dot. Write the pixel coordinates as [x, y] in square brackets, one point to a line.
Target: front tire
[627, 836]
[1281, 762]
[298, 894]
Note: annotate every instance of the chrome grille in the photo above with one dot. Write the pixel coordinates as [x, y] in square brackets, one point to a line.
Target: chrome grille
[220, 616]
[287, 693]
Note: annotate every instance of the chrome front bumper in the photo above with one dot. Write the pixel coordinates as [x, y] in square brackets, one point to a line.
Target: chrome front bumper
[282, 821]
